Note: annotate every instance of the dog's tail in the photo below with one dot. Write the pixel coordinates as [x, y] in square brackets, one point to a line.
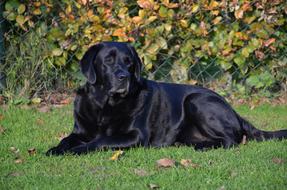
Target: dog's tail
[255, 134]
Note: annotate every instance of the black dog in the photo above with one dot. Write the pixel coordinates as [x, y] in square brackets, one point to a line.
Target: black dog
[117, 108]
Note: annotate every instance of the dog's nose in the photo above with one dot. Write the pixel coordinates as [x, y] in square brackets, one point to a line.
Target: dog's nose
[123, 76]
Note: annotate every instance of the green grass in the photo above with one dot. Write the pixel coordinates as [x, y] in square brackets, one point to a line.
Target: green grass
[249, 166]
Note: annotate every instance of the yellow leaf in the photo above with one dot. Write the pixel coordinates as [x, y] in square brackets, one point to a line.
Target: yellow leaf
[116, 155]
[151, 19]
[136, 19]
[37, 4]
[215, 12]
[83, 2]
[213, 4]
[20, 19]
[142, 13]
[183, 23]
[21, 9]
[37, 12]
[146, 4]
[57, 52]
[168, 27]
[169, 5]
[119, 32]
[195, 8]
[69, 9]
[239, 13]
[217, 20]
[36, 100]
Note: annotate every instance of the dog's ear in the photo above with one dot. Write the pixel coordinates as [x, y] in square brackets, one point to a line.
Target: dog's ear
[87, 63]
[137, 62]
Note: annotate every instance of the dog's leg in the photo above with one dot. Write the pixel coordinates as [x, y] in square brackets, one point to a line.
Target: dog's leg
[120, 141]
[67, 143]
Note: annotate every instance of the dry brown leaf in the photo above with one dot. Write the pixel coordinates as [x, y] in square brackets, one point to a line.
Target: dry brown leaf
[141, 172]
[32, 151]
[277, 160]
[44, 109]
[1, 117]
[269, 42]
[153, 186]
[165, 163]
[15, 174]
[2, 129]
[185, 162]
[259, 55]
[62, 135]
[188, 162]
[18, 161]
[14, 150]
[116, 155]
[39, 121]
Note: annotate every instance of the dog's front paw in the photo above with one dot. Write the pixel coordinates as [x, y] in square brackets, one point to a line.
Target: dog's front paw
[55, 151]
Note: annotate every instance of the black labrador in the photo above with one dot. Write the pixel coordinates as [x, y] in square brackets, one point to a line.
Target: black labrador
[117, 108]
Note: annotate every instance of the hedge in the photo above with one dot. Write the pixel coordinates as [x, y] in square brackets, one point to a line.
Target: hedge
[242, 40]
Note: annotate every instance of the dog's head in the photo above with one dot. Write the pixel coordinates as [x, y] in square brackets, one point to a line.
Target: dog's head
[112, 65]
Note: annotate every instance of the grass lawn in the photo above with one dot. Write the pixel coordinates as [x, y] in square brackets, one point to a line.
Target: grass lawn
[251, 166]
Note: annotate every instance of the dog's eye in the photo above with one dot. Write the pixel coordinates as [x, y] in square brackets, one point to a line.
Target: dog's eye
[127, 61]
[109, 60]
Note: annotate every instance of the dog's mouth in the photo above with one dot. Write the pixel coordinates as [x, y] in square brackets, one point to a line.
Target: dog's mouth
[121, 92]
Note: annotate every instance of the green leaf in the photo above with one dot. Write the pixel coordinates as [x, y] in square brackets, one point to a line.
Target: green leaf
[245, 52]
[9, 15]
[163, 11]
[20, 19]
[224, 64]
[57, 52]
[239, 60]
[21, 9]
[11, 4]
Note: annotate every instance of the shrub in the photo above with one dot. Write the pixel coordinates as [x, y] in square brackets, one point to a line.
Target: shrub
[182, 41]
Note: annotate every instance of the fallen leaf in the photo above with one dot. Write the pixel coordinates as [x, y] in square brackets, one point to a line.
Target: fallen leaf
[188, 162]
[243, 141]
[1, 117]
[39, 122]
[277, 160]
[116, 155]
[2, 129]
[165, 162]
[141, 172]
[44, 109]
[221, 188]
[15, 174]
[14, 150]
[185, 162]
[153, 186]
[32, 151]
[233, 174]
[18, 161]
[62, 135]
[36, 100]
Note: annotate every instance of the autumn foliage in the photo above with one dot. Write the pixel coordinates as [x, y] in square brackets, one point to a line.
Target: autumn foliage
[177, 40]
